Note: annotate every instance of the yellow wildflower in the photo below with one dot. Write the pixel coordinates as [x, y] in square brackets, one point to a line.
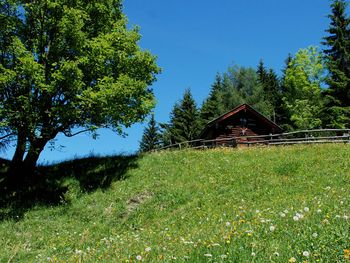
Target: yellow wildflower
[347, 253]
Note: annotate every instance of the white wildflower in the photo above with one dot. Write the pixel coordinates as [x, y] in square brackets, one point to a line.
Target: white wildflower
[276, 254]
[306, 254]
[228, 223]
[314, 235]
[318, 211]
[257, 211]
[138, 257]
[208, 255]
[295, 218]
[325, 221]
[272, 228]
[306, 209]
[282, 214]
[253, 254]
[148, 249]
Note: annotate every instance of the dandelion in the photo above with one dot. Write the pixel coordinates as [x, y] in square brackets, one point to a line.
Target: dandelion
[272, 228]
[314, 235]
[306, 209]
[148, 249]
[208, 255]
[306, 254]
[292, 260]
[299, 215]
[138, 257]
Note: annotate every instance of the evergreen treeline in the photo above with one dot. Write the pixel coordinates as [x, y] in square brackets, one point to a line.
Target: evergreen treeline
[313, 91]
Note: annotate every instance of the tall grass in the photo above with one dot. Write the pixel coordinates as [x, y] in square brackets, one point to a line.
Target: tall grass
[278, 204]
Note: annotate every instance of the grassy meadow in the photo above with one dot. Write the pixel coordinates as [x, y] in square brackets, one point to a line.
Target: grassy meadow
[273, 204]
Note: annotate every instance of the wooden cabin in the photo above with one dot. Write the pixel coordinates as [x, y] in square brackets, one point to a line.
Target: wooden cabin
[239, 122]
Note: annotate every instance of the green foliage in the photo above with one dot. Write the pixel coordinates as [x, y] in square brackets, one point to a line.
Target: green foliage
[272, 93]
[151, 136]
[225, 205]
[70, 64]
[238, 85]
[212, 106]
[302, 84]
[337, 57]
[184, 120]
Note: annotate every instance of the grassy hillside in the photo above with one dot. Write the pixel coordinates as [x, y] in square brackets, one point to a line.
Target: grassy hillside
[278, 204]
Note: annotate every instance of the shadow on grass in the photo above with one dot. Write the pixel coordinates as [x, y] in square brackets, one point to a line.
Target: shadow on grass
[51, 182]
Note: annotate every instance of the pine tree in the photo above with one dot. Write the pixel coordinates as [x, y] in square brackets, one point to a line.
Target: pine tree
[184, 120]
[284, 118]
[151, 136]
[212, 107]
[337, 96]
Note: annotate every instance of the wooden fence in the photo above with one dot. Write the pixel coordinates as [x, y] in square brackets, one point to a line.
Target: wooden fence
[295, 137]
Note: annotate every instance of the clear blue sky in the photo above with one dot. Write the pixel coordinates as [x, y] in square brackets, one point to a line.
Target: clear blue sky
[196, 39]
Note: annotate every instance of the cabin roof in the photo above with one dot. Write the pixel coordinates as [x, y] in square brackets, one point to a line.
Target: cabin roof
[238, 109]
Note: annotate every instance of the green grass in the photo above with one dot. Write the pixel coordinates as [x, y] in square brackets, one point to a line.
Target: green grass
[225, 205]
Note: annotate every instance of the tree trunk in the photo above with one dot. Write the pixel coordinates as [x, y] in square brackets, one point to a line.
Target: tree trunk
[16, 172]
[33, 154]
[20, 149]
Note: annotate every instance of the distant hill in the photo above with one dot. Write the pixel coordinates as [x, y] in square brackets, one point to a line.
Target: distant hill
[276, 204]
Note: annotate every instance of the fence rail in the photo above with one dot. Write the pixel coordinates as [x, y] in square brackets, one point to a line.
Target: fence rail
[290, 138]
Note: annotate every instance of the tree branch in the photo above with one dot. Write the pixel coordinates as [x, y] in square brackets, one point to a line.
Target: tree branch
[7, 135]
[69, 134]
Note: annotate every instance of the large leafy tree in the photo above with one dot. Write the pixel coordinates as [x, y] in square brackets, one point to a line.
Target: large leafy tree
[151, 136]
[184, 120]
[66, 65]
[337, 56]
[302, 83]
